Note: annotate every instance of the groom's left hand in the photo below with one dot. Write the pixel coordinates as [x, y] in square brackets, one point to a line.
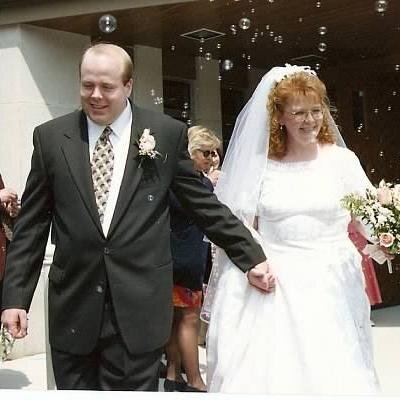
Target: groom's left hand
[262, 278]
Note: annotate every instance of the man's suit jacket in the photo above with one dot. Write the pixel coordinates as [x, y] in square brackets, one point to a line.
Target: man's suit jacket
[134, 258]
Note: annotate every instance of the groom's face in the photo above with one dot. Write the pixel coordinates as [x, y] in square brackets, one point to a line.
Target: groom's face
[102, 89]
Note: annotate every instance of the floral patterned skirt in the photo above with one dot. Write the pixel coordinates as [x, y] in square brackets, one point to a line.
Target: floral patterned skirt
[184, 297]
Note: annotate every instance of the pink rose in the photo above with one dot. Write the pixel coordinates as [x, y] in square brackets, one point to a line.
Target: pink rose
[386, 239]
[384, 195]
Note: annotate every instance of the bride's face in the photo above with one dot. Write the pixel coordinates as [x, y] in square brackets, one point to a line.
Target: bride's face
[302, 117]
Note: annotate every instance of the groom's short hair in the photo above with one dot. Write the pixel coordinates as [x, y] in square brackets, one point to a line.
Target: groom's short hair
[106, 48]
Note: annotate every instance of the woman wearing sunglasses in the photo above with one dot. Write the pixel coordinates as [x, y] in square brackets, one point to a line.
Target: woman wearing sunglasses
[189, 253]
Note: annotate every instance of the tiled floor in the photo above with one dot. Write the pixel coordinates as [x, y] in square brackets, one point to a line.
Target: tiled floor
[30, 372]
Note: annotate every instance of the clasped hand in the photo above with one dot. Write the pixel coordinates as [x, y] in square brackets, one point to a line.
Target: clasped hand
[213, 175]
[15, 320]
[262, 278]
[9, 200]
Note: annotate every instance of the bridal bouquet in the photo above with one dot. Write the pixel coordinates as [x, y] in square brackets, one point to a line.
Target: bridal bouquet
[6, 344]
[379, 211]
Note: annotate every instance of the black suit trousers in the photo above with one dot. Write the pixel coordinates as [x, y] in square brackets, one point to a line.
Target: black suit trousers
[109, 366]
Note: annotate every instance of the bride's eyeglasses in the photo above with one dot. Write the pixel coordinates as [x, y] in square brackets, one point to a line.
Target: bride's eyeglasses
[301, 115]
[208, 153]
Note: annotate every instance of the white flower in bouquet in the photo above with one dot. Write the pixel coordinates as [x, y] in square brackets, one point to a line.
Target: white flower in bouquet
[381, 219]
[384, 194]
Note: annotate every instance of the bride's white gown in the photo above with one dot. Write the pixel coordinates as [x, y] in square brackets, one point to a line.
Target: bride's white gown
[313, 334]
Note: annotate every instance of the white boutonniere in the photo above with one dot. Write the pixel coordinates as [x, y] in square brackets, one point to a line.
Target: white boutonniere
[147, 145]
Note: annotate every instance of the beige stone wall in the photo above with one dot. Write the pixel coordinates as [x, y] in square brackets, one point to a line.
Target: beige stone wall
[148, 78]
[32, 58]
[207, 95]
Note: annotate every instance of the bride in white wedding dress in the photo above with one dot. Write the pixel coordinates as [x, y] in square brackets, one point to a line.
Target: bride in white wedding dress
[285, 175]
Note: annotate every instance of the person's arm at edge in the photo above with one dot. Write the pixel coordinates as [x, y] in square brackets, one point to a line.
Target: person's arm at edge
[26, 251]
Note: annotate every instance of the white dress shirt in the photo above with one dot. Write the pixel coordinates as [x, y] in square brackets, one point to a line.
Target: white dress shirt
[120, 139]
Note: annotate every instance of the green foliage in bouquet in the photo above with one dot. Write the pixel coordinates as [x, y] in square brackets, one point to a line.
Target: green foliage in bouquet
[6, 344]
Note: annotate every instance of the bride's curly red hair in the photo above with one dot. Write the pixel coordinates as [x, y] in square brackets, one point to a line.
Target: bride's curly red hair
[299, 83]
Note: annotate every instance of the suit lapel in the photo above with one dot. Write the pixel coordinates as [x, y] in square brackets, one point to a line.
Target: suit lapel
[76, 153]
[133, 171]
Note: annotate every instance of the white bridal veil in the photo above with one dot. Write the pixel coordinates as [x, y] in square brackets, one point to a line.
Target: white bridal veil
[239, 184]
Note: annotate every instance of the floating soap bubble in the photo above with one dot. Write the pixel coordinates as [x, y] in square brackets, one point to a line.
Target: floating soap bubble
[244, 23]
[381, 6]
[227, 65]
[158, 100]
[107, 23]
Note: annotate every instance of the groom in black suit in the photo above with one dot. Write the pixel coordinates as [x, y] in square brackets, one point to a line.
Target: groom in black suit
[101, 177]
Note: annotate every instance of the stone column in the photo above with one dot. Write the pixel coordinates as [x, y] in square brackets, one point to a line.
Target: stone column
[148, 77]
[207, 95]
[39, 81]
